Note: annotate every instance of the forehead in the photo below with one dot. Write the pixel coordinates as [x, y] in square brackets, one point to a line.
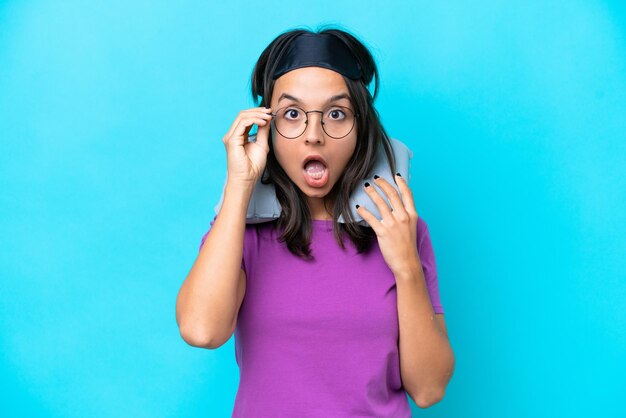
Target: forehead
[310, 84]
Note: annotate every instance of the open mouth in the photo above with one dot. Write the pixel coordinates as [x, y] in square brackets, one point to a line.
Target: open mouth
[316, 171]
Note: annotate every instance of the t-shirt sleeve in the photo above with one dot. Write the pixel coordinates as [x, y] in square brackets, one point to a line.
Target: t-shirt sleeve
[429, 266]
[243, 265]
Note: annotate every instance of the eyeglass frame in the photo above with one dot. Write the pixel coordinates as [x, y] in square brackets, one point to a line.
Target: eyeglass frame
[306, 122]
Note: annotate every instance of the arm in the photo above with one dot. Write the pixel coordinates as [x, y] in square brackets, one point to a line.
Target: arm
[426, 357]
[210, 297]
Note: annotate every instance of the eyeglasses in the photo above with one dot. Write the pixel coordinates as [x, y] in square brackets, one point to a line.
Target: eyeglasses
[291, 121]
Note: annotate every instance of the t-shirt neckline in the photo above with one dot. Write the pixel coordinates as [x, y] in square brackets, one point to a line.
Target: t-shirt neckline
[322, 223]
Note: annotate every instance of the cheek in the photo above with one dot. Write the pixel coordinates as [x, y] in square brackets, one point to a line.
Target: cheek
[347, 153]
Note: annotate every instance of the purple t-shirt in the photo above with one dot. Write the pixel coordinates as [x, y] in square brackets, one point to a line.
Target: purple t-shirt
[320, 338]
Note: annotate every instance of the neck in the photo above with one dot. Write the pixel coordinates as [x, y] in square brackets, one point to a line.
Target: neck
[317, 208]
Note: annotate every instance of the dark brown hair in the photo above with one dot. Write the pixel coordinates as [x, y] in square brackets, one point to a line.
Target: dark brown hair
[295, 219]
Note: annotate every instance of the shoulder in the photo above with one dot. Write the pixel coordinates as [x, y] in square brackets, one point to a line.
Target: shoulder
[422, 228]
[262, 228]
[423, 239]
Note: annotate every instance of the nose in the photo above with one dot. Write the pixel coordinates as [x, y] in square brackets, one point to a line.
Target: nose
[313, 131]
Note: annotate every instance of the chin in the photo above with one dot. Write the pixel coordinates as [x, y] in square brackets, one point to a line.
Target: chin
[314, 191]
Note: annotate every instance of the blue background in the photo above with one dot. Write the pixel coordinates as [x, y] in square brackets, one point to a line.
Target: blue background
[111, 161]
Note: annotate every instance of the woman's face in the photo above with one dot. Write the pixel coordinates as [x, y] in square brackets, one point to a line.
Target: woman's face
[311, 88]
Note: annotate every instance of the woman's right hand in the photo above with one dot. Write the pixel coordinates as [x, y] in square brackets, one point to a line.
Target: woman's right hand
[246, 160]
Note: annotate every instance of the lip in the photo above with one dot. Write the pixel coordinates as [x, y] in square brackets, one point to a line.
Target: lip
[315, 157]
[316, 182]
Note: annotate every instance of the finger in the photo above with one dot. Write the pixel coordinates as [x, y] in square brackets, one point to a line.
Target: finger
[262, 112]
[243, 115]
[262, 136]
[399, 210]
[240, 129]
[246, 125]
[407, 196]
[382, 206]
[243, 127]
[371, 220]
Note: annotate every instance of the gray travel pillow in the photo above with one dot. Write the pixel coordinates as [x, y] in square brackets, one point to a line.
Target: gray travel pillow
[264, 206]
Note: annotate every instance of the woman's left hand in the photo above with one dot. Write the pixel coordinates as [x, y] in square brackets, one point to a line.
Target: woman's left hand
[396, 231]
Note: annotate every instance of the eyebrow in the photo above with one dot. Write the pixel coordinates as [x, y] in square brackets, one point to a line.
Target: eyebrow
[332, 99]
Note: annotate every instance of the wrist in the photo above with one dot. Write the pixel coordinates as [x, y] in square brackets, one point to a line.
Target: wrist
[242, 187]
[412, 270]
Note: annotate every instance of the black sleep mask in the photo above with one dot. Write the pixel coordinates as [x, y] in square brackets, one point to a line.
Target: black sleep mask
[318, 50]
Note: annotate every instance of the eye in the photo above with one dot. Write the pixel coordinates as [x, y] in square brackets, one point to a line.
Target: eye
[291, 113]
[336, 114]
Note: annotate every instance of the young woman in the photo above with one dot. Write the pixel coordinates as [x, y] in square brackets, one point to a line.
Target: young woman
[338, 319]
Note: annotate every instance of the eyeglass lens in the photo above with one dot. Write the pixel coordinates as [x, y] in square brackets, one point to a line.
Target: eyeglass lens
[291, 121]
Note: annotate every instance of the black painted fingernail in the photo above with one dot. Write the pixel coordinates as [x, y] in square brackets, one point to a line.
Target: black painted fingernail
[367, 184]
[398, 174]
[376, 176]
[357, 206]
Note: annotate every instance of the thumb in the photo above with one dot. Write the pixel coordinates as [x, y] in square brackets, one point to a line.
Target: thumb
[262, 136]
